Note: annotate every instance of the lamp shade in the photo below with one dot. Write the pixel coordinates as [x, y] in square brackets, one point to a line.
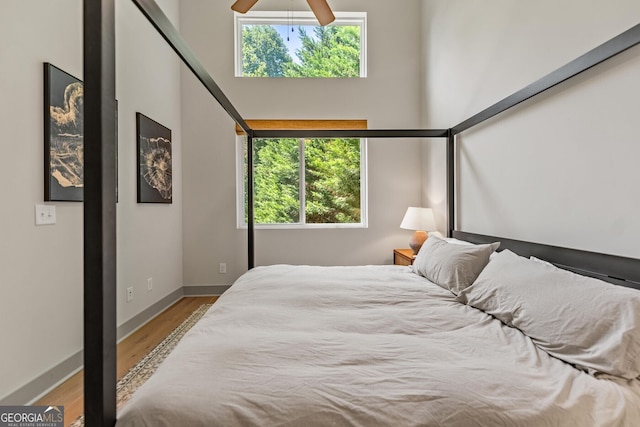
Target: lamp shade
[419, 219]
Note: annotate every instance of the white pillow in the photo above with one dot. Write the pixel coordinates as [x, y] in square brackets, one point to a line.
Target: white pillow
[584, 321]
[452, 266]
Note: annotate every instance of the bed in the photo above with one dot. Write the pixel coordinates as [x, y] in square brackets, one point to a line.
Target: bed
[408, 351]
[385, 345]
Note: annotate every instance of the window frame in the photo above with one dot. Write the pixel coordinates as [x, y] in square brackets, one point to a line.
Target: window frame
[296, 18]
[240, 187]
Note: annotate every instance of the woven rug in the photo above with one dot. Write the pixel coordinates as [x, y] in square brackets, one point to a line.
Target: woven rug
[147, 366]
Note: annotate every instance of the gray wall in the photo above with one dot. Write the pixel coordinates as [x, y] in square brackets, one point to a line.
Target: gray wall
[388, 98]
[559, 170]
[41, 284]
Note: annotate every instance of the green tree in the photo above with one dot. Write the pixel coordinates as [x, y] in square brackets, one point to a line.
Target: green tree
[332, 52]
[263, 52]
[332, 181]
[276, 181]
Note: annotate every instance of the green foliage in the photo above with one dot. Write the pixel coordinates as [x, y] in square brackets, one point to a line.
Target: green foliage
[332, 181]
[333, 52]
[332, 185]
[263, 52]
[276, 181]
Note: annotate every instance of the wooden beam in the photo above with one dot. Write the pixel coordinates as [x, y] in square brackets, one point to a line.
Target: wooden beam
[302, 124]
[351, 133]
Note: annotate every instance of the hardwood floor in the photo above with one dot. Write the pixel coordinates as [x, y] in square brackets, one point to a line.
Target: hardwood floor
[130, 351]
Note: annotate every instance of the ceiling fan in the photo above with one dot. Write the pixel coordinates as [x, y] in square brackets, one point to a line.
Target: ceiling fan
[320, 8]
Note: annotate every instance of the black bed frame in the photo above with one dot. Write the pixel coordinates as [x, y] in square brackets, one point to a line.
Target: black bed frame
[100, 203]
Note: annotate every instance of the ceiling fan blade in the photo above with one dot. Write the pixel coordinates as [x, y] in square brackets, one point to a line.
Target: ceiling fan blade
[243, 6]
[322, 11]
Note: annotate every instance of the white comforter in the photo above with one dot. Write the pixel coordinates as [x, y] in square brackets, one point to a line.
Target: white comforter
[365, 346]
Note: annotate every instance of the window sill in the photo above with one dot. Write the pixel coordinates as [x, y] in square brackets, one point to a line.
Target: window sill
[302, 226]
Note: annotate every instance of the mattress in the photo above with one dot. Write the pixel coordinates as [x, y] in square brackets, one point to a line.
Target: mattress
[365, 346]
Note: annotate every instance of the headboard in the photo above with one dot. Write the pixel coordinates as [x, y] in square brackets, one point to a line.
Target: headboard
[610, 268]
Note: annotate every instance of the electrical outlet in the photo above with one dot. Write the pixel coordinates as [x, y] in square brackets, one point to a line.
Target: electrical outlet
[129, 294]
[223, 268]
[149, 284]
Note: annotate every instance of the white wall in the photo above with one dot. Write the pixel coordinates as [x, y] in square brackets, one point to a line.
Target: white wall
[149, 235]
[388, 98]
[41, 267]
[561, 169]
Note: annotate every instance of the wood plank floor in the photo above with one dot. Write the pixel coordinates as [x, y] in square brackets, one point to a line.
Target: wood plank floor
[130, 351]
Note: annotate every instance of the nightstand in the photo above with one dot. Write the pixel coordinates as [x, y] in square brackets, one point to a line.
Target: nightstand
[403, 257]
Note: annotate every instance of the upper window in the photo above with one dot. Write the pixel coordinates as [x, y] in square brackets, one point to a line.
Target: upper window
[292, 44]
[305, 182]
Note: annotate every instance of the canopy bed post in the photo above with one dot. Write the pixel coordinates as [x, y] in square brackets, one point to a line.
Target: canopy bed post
[451, 183]
[99, 214]
[250, 205]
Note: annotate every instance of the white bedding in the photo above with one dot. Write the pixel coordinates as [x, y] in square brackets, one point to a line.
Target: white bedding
[365, 346]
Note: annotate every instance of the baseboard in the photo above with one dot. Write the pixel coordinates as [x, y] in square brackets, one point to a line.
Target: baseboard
[204, 290]
[131, 325]
[33, 390]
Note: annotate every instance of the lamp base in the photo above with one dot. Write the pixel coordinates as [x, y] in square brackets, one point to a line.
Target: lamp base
[418, 238]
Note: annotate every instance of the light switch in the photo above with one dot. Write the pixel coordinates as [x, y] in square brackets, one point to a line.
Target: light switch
[45, 214]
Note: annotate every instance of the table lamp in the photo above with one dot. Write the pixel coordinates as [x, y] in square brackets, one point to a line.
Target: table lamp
[421, 220]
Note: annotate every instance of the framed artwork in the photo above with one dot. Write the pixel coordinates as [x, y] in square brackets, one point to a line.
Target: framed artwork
[63, 136]
[154, 161]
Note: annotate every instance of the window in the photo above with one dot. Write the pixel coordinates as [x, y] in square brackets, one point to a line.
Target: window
[304, 183]
[292, 44]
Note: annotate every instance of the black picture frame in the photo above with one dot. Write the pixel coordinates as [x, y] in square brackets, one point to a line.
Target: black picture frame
[154, 161]
[63, 136]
